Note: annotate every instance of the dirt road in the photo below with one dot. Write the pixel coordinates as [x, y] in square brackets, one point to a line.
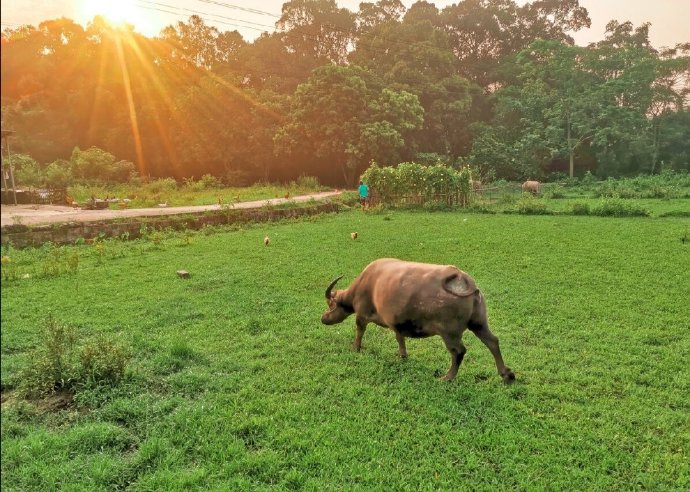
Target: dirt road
[52, 214]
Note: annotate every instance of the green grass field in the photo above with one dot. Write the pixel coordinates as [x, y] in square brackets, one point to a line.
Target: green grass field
[235, 385]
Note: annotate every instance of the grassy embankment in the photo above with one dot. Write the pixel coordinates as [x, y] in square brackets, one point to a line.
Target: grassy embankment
[192, 193]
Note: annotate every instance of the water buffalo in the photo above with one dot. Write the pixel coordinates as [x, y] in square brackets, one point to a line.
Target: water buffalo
[416, 300]
[531, 187]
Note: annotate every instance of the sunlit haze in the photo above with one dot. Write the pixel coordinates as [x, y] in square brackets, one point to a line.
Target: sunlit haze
[250, 18]
[119, 12]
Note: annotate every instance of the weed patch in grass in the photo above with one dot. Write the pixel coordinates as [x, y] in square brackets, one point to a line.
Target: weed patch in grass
[59, 364]
[615, 207]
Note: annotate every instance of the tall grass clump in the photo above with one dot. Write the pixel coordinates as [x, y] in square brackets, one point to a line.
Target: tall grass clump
[308, 183]
[616, 207]
[530, 205]
[63, 361]
[668, 184]
[555, 192]
[580, 208]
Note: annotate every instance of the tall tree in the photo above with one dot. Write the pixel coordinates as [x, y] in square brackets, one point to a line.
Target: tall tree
[347, 123]
[317, 30]
[372, 15]
[485, 33]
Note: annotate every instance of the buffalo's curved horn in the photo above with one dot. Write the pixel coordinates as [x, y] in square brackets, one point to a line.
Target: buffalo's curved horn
[330, 287]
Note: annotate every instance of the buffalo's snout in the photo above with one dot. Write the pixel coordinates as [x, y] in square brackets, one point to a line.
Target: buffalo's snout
[333, 317]
[335, 314]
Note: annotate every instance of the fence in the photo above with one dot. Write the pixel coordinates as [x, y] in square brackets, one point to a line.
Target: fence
[457, 199]
[56, 196]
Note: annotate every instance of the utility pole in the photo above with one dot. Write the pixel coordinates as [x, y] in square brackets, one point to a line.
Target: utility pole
[5, 138]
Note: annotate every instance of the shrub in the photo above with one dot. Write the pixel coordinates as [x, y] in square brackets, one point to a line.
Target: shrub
[480, 208]
[209, 182]
[615, 207]
[161, 185]
[676, 213]
[26, 170]
[529, 205]
[308, 182]
[102, 362]
[664, 185]
[421, 183]
[10, 271]
[589, 179]
[580, 208]
[51, 365]
[235, 177]
[98, 166]
[555, 192]
[60, 363]
[557, 177]
[58, 174]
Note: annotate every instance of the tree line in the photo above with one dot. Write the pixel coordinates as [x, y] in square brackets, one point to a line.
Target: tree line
[487, 83]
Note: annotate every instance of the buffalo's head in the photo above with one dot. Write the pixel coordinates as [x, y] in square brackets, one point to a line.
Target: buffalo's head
[337, 310]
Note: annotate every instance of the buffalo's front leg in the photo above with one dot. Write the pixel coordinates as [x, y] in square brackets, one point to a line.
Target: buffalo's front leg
[402, 350]
[360, 327]
[457, 351]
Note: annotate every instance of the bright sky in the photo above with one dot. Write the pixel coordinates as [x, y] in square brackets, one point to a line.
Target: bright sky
[669, 18]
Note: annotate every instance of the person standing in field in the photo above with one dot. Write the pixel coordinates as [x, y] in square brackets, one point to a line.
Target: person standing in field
[363, 194]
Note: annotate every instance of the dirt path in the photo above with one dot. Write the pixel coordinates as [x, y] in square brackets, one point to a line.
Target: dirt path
[52, 214]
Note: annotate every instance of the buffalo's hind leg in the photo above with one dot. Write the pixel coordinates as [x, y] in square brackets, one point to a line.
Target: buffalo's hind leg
[479, 325]
[453, 341]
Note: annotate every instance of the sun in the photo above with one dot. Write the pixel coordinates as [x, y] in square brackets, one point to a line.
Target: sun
[116, 12]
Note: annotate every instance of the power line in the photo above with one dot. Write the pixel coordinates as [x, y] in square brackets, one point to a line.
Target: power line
[244, 9]
[332, 26]
[162, 7]
[292, 33]
[157, 6]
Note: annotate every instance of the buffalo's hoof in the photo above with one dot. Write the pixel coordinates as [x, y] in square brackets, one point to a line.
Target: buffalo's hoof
[508, 377]
[448, 378]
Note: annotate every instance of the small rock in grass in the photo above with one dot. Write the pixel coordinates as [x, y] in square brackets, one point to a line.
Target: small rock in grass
[183, 274]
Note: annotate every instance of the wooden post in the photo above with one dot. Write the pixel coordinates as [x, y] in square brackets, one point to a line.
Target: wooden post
[5, 137]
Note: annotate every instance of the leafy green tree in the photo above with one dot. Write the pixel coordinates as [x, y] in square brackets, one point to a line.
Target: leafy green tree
[198, 44]
[674, 141]
[414, 56]
[373, 15]
[640, 85]
[27, 172]
[485, 34]
[600, 99]
[58, 174]
[267, 64]
[317, 30]
[346, 122]
[98, 166]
